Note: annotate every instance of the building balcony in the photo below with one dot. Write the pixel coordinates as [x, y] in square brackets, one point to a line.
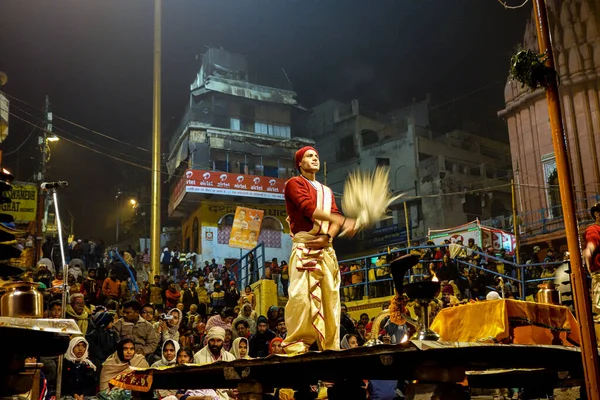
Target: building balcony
[197, 185]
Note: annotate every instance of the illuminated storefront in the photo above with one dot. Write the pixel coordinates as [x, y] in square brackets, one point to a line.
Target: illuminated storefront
[206, 202]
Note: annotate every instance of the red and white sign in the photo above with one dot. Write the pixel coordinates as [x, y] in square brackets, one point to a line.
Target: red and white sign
[227, 184]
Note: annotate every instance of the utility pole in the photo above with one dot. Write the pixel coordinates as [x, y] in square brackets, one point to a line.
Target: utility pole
[155, 199]
[119, 193]
[589, 348]
[41, 175]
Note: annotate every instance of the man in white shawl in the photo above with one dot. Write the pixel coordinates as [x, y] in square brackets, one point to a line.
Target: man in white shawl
[213, 351]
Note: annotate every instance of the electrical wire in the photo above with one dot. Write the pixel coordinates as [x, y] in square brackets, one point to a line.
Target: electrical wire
[527, 185]
[79, 125]
[428, 196]
[88, 148]
[78, 137]
[506, 6]
[22, 144]
[468, 93]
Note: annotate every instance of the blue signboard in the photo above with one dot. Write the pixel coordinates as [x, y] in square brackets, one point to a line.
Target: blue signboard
[386, 235]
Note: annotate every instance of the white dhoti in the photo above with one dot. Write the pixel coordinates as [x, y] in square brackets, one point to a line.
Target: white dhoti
[312, 313]
[595, 289]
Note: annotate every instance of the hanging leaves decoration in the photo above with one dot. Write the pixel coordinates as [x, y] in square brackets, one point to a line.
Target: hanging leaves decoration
[528, 67]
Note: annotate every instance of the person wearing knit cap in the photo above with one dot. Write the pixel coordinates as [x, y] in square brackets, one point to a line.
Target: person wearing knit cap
[313, 315]
[214, 350]
[448, 297]
[259, 342]
[101, 337]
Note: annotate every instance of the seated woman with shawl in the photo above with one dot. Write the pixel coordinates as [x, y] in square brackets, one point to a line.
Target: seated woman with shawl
[169, 358]
[246, 315]
[223, 320]
[122, 360]
[78, 373]
[239, 348]
[169, 329]
[169, 354]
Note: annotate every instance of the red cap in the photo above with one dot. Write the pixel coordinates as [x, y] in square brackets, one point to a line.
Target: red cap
[448, 289]
[300, 154]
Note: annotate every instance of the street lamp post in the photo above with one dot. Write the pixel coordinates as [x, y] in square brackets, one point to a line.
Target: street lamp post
[156, 110]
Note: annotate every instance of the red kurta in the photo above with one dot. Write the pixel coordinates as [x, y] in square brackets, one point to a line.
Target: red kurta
[592, 234]
[301, 202]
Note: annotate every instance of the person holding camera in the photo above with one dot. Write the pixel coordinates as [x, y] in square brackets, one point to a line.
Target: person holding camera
[167, 326]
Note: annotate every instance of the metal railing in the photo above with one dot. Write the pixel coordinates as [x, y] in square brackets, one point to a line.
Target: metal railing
[544, 220]
[382, 285]
[250, 267]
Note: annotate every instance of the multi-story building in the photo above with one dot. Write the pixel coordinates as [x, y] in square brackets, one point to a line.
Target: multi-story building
[234, 147]
[436, 173]
[575, 28]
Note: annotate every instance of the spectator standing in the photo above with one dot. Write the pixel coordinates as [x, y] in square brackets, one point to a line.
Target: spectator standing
[189, 296]
[285, 277]
[165, 260]
[172, 295]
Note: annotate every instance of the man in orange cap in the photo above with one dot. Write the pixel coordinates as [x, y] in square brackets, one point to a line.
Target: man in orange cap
[312, 313]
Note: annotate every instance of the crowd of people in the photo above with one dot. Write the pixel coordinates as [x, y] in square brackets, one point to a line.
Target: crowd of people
[126, 321]
[467, 271]
[198, 315]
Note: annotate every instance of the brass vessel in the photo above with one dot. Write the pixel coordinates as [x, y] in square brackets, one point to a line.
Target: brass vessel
[548, 294]
[22, 300]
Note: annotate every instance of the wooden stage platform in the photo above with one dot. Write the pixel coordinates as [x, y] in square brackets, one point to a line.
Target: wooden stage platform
[416, 360]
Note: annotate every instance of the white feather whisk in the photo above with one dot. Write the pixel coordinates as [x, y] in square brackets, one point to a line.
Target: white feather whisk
[367, 197]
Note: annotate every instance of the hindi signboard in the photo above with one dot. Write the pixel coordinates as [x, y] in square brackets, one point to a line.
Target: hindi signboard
[246, 228]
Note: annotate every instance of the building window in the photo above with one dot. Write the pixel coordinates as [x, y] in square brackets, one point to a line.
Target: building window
[346, 150]
[383, 162]
[415, 213]
[369, 137]
[272, 129]
[221, 165]
[195, 236]
[472, 206]
[273, 172]
[247, 120]
[552, 191]
[224, 232]
[234, 123]
[271, 232]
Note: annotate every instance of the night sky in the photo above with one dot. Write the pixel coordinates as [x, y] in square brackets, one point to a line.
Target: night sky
[94, 59]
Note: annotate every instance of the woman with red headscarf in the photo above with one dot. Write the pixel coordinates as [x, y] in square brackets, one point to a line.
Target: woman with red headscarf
[313, 311]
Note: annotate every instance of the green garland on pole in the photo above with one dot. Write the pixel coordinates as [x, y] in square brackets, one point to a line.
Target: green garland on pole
[528, 67]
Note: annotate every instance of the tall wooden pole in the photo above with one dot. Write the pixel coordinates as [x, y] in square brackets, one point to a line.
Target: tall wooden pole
[155, 200]
[520, 271]
[589, 348]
